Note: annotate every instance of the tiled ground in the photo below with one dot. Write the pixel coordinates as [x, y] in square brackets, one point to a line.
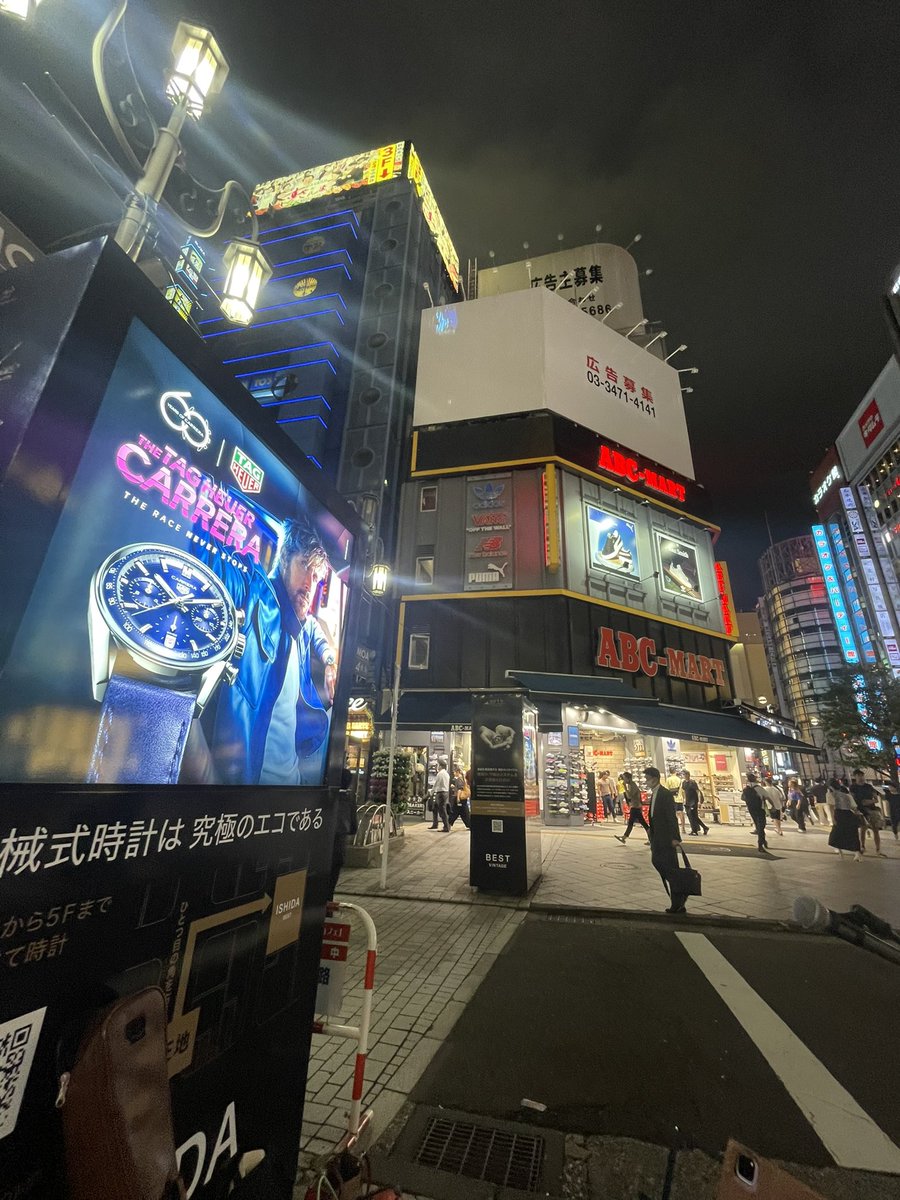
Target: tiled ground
[438, 937]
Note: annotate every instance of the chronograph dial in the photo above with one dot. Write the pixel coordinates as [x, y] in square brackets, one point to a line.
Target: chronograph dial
[167, 606]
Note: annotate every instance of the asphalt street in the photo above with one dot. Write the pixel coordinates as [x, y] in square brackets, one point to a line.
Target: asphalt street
[784, 1041]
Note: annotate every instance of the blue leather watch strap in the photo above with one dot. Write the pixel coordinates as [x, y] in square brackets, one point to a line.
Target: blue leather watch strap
[142, 734]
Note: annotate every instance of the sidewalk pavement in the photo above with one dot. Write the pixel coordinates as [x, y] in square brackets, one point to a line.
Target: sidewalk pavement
[438, 937]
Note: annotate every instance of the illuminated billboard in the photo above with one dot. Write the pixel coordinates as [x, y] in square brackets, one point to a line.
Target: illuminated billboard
[330, 179]
[433, 218]
[358, 171]
[527, 351]
[185, 623]
[835, 596]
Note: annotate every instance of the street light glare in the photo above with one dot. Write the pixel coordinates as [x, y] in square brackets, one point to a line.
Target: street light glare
[23, 9]
[200, 68]
[247, 269]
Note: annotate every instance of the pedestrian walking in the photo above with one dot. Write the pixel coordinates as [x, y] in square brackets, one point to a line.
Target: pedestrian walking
[608, 796]
[691, 795]
[798, 805]
[441, 795]
[893, 802]
[755, 801]
[831, 789]
[665, 837]
[813, 799]
[459, 799]
[866, 799]
[775, 800]
[673, 783]
[846, 821]
[635, 808]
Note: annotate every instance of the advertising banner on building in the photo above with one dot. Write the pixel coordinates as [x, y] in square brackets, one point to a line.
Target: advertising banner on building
[874, 424]
[489, 533]
[594, 277]
[219, 903]
[527, 351]
[186, 620]
[613, 542]
[835, 595]
[503, 858]
[330, 179]
[679, 570]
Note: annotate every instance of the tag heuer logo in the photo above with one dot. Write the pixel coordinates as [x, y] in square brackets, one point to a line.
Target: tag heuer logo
[248, 475]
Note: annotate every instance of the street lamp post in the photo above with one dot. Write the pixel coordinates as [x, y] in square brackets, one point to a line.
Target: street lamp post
[199, 73]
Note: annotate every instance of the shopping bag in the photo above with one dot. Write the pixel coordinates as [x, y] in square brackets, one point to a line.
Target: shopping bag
[684, 881]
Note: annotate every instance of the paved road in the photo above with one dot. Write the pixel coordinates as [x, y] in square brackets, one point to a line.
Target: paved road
[618, 1029]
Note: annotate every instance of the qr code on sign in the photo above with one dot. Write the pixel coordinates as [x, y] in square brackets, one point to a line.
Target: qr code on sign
[18, 1042]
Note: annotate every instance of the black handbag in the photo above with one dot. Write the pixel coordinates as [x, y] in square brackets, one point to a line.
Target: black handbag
[684, 880]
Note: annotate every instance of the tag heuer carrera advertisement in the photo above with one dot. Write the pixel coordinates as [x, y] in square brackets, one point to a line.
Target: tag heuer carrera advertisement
[186, 622]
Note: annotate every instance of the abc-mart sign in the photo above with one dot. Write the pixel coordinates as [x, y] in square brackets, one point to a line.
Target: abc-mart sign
[620, 651]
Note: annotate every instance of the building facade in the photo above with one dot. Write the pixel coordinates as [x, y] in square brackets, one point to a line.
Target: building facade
[802, 646]
[749, 665]
[856, 493]
[554, 542]
[359, 249]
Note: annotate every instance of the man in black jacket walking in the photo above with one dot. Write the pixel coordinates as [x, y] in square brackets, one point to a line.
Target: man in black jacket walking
[665, 836]
[756, 807]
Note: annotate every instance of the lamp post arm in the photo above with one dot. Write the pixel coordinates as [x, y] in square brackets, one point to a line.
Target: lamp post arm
[211, 230]
[149, 188]
[104, 33]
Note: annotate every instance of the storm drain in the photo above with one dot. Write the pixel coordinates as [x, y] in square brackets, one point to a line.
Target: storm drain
[510, 1160]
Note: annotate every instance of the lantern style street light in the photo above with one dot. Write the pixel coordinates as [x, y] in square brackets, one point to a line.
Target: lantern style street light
[381, 574]
[200, 71]
[200, 68]
[247, 270]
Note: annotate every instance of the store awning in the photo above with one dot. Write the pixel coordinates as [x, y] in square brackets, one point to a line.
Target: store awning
[647, 714]
[699, 725]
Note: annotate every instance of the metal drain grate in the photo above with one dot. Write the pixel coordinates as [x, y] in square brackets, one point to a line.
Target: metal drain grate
[508, 1159]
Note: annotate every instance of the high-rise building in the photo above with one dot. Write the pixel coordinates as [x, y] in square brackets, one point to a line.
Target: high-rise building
[749, 666]
[856, 493]
[359, 249]
[795, 615]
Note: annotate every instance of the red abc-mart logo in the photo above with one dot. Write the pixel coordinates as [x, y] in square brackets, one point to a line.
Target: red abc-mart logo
[871, 423]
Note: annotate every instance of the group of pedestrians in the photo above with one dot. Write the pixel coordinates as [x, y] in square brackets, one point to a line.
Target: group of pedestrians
[853, 809]
[450, 798]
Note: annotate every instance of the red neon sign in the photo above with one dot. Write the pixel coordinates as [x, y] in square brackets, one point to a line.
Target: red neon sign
[617, 463]
[724, 601]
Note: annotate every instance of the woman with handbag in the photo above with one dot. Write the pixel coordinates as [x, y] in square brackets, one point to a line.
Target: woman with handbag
[460, 802]
[845, 820]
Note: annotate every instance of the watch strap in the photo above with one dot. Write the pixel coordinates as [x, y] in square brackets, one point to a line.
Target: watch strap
[142, 734]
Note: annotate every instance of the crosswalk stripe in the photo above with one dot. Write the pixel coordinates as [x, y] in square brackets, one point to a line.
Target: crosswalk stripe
[846, 1131]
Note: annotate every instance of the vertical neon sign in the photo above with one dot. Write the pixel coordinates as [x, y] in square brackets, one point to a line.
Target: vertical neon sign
[835, 595]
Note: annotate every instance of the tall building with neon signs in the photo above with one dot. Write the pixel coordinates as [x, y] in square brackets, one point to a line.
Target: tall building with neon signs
[359, 249]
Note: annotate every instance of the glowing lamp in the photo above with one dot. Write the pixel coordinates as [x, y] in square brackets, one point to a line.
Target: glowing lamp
[381, 574]
[247, 270]
[23, 9]
[200, 68]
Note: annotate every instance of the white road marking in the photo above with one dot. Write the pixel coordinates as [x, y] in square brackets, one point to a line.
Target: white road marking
[848, 1133]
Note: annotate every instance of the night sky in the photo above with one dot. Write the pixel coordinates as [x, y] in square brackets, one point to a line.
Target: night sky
[754, 146]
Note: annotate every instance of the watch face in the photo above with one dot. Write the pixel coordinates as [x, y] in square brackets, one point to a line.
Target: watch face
[167, 605]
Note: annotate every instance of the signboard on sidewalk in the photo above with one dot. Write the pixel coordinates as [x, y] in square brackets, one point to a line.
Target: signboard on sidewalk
[217, 896]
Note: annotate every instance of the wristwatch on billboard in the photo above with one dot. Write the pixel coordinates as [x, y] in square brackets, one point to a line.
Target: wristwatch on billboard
[174, 618]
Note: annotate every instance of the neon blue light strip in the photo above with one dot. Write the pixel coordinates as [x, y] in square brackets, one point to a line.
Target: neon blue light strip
[272, 241]
[284, 304]
[835, 596]
[296, 400]
[284, 350]
[294, 420]
[322, 312]
[312, 458]
[287, 367]
[344, 212]
[859, 617]
[312, 257]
